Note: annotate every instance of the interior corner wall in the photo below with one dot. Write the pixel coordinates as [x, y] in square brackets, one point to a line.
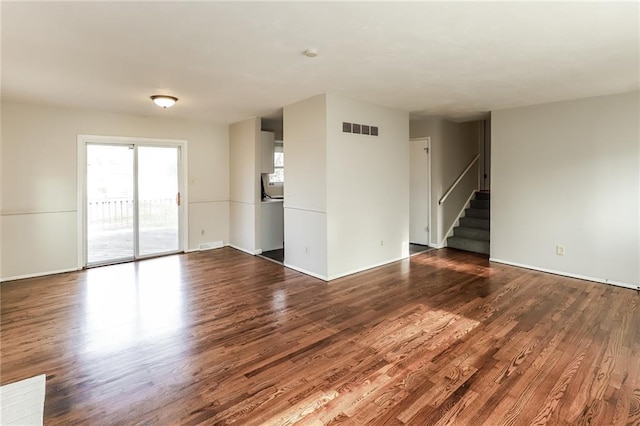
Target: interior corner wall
[453, 147]
[305, 187]
[39, 182]
[484, 149]
[367, 187]
[274, 125]
[567, 173]
[1, 275]
[244, 185]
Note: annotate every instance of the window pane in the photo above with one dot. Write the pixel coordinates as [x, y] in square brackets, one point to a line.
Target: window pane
[277, 176]
[278, 159]
[109, 203]
[157, 206]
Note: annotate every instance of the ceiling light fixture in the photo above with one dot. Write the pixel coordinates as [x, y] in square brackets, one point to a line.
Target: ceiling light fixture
[311, 53]
[164, 101]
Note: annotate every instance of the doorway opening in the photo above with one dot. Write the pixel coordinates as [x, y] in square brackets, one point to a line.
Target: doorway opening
[131, 199]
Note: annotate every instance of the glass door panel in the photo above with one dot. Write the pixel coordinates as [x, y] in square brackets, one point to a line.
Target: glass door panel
[110, 203]
[158, 200]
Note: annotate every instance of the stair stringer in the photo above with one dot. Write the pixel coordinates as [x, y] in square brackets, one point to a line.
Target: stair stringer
[443, 242]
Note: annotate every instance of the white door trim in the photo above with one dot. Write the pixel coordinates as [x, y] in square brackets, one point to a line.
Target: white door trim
[427, 141]
[83, 140]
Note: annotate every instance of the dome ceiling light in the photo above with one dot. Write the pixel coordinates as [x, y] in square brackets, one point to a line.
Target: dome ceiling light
[164, 101]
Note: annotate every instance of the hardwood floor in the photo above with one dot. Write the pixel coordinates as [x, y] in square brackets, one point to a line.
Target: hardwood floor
[220, 336]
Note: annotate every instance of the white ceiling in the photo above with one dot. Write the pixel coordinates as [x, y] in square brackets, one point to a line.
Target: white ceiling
[232, 60]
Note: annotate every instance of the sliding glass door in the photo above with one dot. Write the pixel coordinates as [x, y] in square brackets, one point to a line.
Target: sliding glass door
[110, 208]
[158, 200]
[133, 202]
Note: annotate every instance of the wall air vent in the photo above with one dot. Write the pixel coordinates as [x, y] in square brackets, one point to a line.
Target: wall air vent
[211, 245]
[360, 129]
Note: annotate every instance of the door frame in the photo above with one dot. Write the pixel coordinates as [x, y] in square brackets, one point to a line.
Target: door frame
[183, 210]
[427, 141]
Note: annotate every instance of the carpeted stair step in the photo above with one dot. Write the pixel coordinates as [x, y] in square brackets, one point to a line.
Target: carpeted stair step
[479, 213]
[481, 204]
[473, 233]
[474, 222]
[468, 244]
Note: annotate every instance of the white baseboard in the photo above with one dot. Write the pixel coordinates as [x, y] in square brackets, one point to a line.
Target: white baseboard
[567, 274]
[251, 252]
[335, 277]
[39, 274]
[304, 271]
[210, 245]
[366, 268]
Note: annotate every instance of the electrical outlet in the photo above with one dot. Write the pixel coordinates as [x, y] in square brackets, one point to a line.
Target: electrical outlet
[381, 243]
[560, 250]
[306, 249]
[202, 232]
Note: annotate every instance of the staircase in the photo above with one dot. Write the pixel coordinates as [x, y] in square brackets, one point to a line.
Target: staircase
[473, 232]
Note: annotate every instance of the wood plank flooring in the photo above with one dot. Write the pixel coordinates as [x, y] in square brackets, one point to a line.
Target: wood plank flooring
[220, 337]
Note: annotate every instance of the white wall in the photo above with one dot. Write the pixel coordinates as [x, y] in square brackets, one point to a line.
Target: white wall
[244, 186]
[305, 241]
[453, 146]
[305, 151]
[367, 187]
[272, 217]
[568, 173]
[305, 186]
[344, 193]
[39, 184]
[1, 217]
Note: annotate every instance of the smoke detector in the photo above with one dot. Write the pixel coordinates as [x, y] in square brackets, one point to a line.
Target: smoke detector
[311, 53]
